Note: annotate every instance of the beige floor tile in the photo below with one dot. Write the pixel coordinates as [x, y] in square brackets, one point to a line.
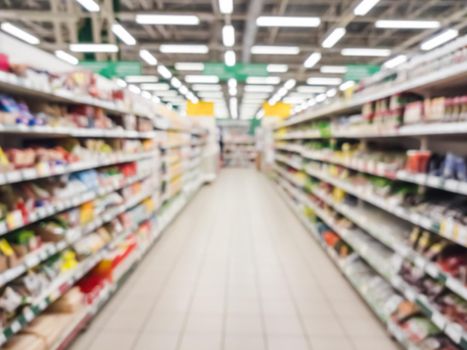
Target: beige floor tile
[197, 341]
[113, 340]
[243, 325]
[283, 325]
[287, 343]
[236, 342]
[165, 322]
[332, 343]
[158, 341]
[371, 343]
[204, 323]
[319, 326]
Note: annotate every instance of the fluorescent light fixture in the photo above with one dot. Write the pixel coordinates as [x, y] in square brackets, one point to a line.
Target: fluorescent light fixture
[263, 80]
[89, 5]
[294, 100]
[333, 69]
[333, 37]
[348, 84]
[183, 90]
[230, 58]
[19, 33]
[365, 52]
[395, 61]
[155, 87]
[164, 72]
[312, 60]
[211, 94]
[311, 89]
[65, 56]
[323, 81]
[439, 39]
[148, 57]
[206, 87]
[233, 91]
[183, 48]
[146, 94]
[275, 50]
[311, 102]
[233, 103]
[175, 83]
[134, 89]
[287, 21]
[156, 99]
[203, 79]
[290, 84]
[232, 83]
[273, 100]
[364, 7]
[123, 34]
[282, 92]
[167, 93]
[226, 6]
[331, 92]
[120, 82]
[255, 95]
[405, 24]
[93, 48]
[228, 35]
[277, 68]
[141, 79]
[159, 19]
[193, 66]
[259, 88]
[321, 98]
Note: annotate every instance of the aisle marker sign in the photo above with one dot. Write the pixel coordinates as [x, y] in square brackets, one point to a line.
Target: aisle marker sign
[280, 109]
[357, 72]
[239, 71]
[200, 109]
[118, 69]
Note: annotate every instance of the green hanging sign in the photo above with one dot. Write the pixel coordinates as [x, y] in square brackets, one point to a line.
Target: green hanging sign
[113, 69]
[357, 72]
[239, 71]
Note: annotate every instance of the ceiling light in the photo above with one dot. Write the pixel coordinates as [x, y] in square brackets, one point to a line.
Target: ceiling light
[312, 60]
[277, 68]
[175, 83]
[134, 89]
[65, 56]
[206, 87]
[395, 61]
[226, 6]
[321, 98]
[255, 95]
[156, 99]
[439, 39]
[311, 89]
[259, 88]
[282, 92]
[123, 34]
[148, 57]
[232, 83]
[89, 5]
[273, 100]
[275, 50]
[189, 66]
[93, 48]
[324, 81]
[403, 24]
[180, 48]
[311, 102]
[122, 83]
[283, 21]
[229, 58]
[167, 93]
[233, 91]
[365, 52]
[164, 72]
[204, 79]
[294, 100]
[333, 37]
[146, 94]
[228, 35]
[155, 87]
[141, 79]
[348, 84]
[182, 20]
[19, 33]
[211, 94]
[290, 84]
[233, 107]
[263, 80]
[364, 7]
[331, 93]
[333, 69]
[183, 90]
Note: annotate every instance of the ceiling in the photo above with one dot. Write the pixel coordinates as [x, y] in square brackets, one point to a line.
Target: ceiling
[60, 22]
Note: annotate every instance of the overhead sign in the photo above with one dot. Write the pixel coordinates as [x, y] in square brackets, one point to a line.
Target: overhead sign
[239, 71]
[113, 69]
[200, 109]
[357, 72]
[280, 109]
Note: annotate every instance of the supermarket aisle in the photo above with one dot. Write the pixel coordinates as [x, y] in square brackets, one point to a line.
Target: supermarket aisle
[236, 271]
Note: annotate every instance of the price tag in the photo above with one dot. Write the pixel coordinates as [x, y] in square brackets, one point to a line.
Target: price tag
[29, 173]
[13, 176]
[439, 320]
[410, 294]
[415, 218]
[33, 216]
[454, 331]
[420, 262]
[432, 270]
[451, 185]
[456, 286]
[463, 187]
[28, 314]
[15, 326]
[2, 179]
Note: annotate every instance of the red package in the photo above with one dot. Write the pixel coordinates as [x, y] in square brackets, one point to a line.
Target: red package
[4, 63]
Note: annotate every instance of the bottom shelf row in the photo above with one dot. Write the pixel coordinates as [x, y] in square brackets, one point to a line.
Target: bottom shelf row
[402, 317]
[53, 319]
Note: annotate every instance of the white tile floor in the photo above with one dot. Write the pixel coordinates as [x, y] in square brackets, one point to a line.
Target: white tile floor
[236, 271]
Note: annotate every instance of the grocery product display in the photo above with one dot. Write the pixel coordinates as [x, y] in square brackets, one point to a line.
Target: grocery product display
[384, 193]
[239, 145]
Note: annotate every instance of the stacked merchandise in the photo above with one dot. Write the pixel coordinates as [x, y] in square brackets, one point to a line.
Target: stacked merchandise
[239, 145]
[86, 187]
[384, 192]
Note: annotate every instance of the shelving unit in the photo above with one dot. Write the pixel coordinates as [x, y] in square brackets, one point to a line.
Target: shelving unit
[88, 201]
[369, 177]
[239, 146]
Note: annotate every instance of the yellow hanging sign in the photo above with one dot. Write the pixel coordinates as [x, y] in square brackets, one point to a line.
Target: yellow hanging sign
[200, 109]
[280, 109]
